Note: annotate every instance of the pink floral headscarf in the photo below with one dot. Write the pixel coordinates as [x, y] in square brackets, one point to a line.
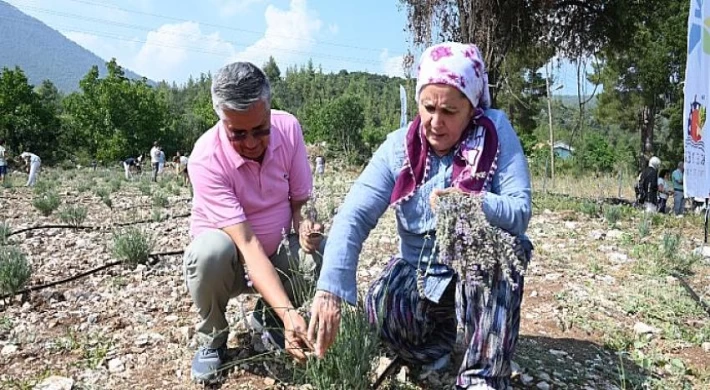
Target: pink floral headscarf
[459, 65]
[476, 154]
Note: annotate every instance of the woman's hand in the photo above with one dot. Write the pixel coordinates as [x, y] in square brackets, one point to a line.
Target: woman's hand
[296, 339]
[438, 192]
[325, 321]
[310, 235]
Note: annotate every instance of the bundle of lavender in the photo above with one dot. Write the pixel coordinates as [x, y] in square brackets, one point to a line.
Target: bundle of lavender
[467, 242]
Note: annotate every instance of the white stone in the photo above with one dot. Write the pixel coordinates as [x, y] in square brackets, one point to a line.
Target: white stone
[269, 381]
[526, 379]
[703, 251]
[171, 318]
[382, 365]
[641, 328]
[115, 366]
[8, 349]
[141, 341]
[55, 383]
[186, 333]
[515, 369]
[558, 353]
[617, 257]
[706, 347]
[615, 234]
[543, 386]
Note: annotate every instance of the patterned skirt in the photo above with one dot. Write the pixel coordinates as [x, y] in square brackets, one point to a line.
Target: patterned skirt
[483, 323]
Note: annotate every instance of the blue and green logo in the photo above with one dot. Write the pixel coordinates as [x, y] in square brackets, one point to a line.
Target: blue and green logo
[699, 33]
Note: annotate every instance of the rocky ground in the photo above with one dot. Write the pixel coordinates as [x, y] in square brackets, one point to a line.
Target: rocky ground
[607, 296]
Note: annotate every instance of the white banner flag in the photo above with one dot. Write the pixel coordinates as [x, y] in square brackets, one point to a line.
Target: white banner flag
[403, 105]
[697, 91]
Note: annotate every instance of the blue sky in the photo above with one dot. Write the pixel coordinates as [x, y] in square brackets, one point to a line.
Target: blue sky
[174, 39]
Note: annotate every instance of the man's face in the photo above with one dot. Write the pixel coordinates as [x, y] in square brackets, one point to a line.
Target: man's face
[248, 131]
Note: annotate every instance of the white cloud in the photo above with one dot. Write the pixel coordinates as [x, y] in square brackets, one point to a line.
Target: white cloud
[289, 35]
[232, 7]
[174, 51]
[333, 28]
[392, 66]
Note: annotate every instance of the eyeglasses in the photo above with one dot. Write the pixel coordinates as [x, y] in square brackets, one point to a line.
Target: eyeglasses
[241, 135]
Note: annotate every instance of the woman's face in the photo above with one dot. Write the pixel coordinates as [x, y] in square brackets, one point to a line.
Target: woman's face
[445, 114]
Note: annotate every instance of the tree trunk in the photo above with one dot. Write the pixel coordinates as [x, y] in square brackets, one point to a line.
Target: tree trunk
[646, 124]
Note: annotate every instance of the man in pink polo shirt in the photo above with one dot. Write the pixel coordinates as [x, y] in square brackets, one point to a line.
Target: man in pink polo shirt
[250, 178]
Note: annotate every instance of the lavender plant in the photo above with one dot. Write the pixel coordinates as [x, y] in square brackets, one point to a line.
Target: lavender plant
[476, 250]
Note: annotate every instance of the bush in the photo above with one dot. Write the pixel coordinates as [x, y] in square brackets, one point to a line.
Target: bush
[160, 200]
[589, 208]
[350, 361]
[101, 192]
[84, 186]
[15, 271]
[132, 246]
[144, 188]
[73, 215]
[645, 226]
[5, 231]
[67, 165]
[157, 216]
[46, 203]
[115, 185]
[107, 201]
[43, 186]
[612, 215]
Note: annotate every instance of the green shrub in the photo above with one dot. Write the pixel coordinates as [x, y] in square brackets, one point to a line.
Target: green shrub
[160, 200]
[15, 271]
[84, 186]
[5, 231]
[645, 225]
[73, 215]
[101, 192]
[144, 187]
[46, 203]
[132, 246]
[612, 214]
[589, 208]
[157, 216]
[115, 185]
[349, 363]
[43, 186]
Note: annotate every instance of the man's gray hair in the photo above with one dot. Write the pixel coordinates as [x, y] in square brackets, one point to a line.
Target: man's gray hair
[239, 85]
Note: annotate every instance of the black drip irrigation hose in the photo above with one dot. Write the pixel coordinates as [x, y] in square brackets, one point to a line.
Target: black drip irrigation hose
[388, 372]
[79, 227]
[692, 293]
[92, 271]
[82, 227]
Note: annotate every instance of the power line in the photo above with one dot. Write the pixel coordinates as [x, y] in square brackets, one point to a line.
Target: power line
[219, 26]
[348, 60]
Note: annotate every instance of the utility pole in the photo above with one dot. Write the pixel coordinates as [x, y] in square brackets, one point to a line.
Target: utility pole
[552, 135]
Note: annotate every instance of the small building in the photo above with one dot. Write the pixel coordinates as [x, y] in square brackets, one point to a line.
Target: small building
[562, 150]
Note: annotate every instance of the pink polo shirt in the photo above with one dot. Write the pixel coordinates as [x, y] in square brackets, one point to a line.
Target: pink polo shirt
[228, 189]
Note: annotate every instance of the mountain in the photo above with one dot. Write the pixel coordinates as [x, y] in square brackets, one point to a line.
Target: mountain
[44, 53]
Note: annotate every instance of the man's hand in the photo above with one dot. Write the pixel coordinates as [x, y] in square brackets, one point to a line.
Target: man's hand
[295, 336]
[325, 316]
[310, 235]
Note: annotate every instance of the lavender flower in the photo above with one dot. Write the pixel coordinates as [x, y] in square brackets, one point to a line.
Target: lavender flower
[477, 251]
